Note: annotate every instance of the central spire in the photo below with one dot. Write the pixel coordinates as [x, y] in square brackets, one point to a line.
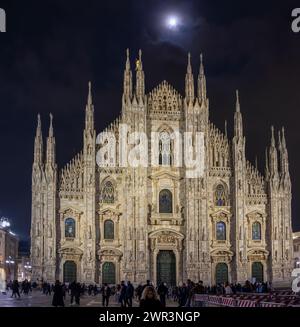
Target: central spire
[89, 110]
[238, 120]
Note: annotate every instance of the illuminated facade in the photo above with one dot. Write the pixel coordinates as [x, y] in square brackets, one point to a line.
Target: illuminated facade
[8, 253]
[111, 224]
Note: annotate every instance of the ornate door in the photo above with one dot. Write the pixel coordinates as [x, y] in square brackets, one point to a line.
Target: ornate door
[258, 272]
[166, 268]
[70, 271]
[108, 273]
[221, 273]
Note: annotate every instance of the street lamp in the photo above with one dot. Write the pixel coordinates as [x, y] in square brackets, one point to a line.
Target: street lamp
[9, 261]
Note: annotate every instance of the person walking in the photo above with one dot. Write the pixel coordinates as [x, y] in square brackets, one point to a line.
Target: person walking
[162, 292]
[72, 288]
[15, 289]
[77, 293]
[106, 292]
[122, 298]
[183, 295]
[58, 300]
[129, 294]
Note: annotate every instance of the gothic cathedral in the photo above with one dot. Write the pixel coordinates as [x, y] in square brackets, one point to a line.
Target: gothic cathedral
[107, 224]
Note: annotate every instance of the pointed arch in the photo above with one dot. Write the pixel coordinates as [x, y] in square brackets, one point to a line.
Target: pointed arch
[220, 195]
[108, 191]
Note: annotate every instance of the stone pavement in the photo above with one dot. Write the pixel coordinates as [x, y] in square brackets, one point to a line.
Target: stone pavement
[38, 299]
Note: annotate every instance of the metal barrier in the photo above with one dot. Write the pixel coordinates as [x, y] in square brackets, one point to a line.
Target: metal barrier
[229, 301]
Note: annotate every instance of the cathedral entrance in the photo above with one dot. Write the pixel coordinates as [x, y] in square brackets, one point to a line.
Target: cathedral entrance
[258, 272]
[108, 273]
[221, 273]
[166, 267]
[70, 271]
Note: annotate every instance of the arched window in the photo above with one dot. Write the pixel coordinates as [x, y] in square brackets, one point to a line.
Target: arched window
[108, 273]
[108, 193]
[221, 273]
[70, 228]
[258, 271]
[165, 201]
[165, 149]
[109, 232]
[221, 231]
[256, 231]
[220, 196]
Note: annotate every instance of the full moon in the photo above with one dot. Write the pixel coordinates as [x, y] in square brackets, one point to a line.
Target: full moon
[172, 22]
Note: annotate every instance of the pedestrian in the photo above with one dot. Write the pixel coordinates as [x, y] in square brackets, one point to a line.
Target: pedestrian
[58, 300]
[77, 293]
[129, 293]
[149, 299]
[162, 292]
[122, 298]
[72, 288]
[228, 290]
[183, 295]
[106, 292]
[15, 289]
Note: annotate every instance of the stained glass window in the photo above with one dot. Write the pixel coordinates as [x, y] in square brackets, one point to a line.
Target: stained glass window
[108, 273]
[165, 201]
[70, 228]
[221, 231]
[109, 230]
[256, 231]
[108, 193]
[220, 196]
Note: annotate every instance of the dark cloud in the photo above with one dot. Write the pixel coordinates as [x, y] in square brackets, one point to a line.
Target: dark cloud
[52, 48]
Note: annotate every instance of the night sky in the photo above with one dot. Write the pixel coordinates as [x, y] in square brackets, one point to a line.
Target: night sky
[53, 48]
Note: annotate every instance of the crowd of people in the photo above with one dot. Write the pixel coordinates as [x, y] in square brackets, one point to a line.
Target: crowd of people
[145, 295]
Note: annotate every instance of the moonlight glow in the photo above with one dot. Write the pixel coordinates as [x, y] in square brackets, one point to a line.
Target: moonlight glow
[172, 22]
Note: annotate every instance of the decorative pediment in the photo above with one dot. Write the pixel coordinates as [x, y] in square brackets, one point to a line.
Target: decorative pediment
[70, 250]
[109, 251]
[164, 174]
[256, 216]
[221, 214]
[166, 234]
[70, 212]
[221, 255]
[109, 213]
[257, 254]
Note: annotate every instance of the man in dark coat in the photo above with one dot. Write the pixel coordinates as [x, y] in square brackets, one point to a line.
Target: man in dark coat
[129, 294]
[122, 298]
[58, 300]
[106, 292]
[15, 289]
[162, 292]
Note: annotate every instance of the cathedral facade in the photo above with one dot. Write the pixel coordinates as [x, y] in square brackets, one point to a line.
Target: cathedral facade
[113, 223]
